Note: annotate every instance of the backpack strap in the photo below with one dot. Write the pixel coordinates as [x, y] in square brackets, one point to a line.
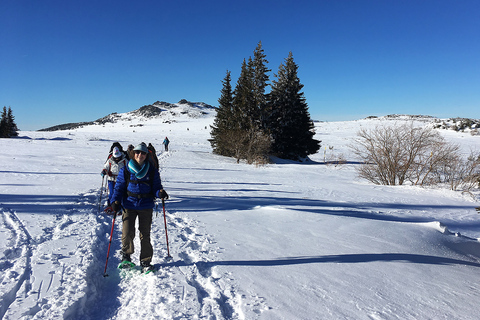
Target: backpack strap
[151, 175]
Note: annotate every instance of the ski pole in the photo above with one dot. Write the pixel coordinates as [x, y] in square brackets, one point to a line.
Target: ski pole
[166, 233]
[101, 193]
[109, 244]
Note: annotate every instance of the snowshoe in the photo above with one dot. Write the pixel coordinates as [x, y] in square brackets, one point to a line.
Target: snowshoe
[126, 265]
[147, 268]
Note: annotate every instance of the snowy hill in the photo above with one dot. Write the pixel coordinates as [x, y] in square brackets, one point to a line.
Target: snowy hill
[281, 241]
[159, 109]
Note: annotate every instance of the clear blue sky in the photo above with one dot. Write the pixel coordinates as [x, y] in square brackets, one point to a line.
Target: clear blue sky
[69, 61]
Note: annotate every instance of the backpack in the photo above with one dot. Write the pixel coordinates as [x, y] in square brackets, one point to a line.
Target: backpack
[153, 156]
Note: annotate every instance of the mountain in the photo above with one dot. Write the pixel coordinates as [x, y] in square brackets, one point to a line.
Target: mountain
[155, 110]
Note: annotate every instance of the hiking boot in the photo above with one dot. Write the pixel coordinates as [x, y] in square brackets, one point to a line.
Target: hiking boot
[126, 257]
[146, 267]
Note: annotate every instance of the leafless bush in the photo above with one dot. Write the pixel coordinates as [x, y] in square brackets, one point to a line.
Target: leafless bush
[251, 144]
[333, 158]
[388, 152]
[460, 173]
[257, 146]
[430, 166]
[394, 154]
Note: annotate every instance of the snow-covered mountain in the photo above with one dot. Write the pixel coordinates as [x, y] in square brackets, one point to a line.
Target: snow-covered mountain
[160, 109]
[280, 241]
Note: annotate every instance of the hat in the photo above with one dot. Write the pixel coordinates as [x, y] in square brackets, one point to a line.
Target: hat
[116, 153]
[141, 147]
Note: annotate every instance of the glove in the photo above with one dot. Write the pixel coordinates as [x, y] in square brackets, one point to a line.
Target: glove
[116, 206]
[104, 172]
[163, 194]
[110, 174]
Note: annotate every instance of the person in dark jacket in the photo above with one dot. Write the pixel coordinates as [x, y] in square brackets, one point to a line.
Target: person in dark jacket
[137, 185]
[165, 143]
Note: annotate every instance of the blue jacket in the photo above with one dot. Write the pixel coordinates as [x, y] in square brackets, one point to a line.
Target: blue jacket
[147, 190]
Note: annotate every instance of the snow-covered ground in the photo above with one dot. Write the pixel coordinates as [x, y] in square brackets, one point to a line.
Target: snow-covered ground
[281, 241]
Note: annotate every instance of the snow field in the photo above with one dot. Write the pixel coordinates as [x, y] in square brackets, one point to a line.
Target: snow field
[282, 241]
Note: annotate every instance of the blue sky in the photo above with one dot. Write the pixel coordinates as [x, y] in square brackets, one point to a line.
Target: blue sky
[70, 61]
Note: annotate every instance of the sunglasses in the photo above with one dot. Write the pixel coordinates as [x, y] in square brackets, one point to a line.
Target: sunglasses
[140, 152]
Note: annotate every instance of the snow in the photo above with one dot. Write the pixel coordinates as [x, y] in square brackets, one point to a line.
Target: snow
[280, 241]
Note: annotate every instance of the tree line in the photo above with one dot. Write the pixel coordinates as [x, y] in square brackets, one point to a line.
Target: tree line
[8, 127]
[252, 124]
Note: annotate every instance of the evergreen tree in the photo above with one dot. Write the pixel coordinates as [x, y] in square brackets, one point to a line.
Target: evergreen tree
[4, 124]
[247, 138]
[12, 126]
[289, 121]
[243, 101]
[223, 121]
[260, 82]
[8, 127]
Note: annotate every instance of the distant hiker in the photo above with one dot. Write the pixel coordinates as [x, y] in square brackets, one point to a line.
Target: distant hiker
[137, 185]
[111, 169]
[165, 143]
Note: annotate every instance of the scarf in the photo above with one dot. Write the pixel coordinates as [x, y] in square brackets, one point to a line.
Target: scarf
[139, 171]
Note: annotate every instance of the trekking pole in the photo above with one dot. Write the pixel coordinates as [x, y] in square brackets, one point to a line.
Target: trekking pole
[109, 244]
[166, 233]
[101, 193]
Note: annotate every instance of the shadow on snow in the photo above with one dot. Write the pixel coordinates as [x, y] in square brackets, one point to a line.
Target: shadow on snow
[344, 258]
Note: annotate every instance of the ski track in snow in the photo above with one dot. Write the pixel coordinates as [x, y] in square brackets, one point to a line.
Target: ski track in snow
[73, 286]
[62, 273]
[16, 264]
[182, 289]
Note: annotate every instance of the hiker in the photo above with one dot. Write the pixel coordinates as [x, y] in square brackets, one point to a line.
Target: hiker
[111, 169]
[166, 142]
[119, 146]
[137, 185]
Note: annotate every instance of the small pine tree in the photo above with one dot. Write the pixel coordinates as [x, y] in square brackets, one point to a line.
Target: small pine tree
[8, 127]
[4, 124]
[12, 126]
[289, 121]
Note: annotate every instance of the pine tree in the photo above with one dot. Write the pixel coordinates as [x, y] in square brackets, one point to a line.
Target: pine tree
[243, 103]
[289, 121]
[8, 127]
[12, 126]
[223, 121]
[248, 140]
[4, 124]
[260, 82]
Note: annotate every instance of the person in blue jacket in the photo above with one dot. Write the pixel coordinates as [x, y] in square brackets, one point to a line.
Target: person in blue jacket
[138, 184]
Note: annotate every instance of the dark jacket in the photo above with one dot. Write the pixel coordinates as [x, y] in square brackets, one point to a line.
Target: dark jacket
[142, 195]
